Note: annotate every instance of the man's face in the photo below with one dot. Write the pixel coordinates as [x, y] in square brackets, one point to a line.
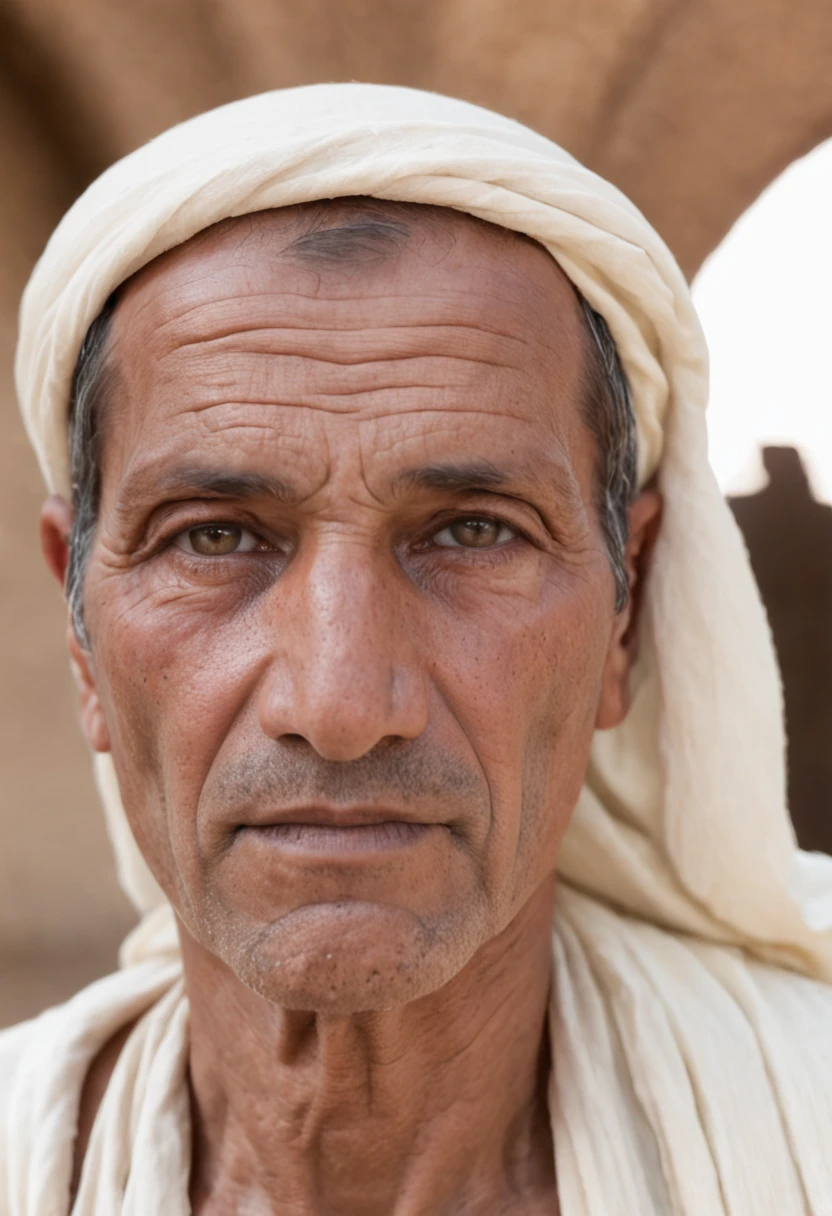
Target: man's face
[350, 611]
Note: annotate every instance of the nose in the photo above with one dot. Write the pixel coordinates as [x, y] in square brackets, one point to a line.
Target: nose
[346, 672]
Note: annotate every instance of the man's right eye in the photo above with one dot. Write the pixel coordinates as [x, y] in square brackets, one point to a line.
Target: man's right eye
[216, 540]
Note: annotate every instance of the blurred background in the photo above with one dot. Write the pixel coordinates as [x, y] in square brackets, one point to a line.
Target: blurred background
[710, 114]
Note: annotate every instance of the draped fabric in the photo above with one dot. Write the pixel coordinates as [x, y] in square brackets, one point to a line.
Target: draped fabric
[691, 1006]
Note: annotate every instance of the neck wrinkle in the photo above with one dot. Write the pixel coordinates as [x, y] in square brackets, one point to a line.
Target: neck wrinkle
[439, 1106]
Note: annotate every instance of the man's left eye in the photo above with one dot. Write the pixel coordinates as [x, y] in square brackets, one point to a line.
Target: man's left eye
[474, 532]
[216, 540]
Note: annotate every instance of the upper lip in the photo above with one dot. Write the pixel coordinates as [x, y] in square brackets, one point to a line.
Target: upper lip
[336, 817]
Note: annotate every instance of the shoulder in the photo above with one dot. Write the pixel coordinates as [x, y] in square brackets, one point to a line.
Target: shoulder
[54, 1071]
[777, 1038]
[25, 1052]
[797, 1008]
[92, 1095]
[19, 1045]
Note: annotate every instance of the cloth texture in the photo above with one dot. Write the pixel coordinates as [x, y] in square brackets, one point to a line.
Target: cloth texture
[691, 1006]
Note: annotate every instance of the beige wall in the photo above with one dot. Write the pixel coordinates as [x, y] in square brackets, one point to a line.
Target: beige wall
[692, 108]
[61, 913]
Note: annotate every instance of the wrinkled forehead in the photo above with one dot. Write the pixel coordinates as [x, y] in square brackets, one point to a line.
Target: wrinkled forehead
[329, 247]
[360, 280]
[289, 147]
[357, 308]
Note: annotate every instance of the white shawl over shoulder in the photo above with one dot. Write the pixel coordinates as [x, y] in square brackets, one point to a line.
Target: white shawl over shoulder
[692, 1009]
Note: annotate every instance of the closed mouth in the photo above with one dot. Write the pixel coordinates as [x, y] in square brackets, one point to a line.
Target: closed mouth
[297, 836]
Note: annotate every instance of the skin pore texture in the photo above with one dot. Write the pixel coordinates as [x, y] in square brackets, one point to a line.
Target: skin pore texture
[352, 628]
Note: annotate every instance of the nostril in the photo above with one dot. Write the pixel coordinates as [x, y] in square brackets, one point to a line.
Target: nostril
[294, 740]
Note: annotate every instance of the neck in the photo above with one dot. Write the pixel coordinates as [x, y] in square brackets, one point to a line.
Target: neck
[434, 1107]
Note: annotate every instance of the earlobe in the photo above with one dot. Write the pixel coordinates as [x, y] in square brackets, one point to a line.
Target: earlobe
[614, 701]
[93, 722]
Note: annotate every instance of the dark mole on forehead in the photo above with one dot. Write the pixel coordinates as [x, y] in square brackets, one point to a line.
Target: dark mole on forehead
[364, 240]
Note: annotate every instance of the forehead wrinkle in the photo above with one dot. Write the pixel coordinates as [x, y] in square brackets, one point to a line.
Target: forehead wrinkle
[213, 428]
[323, 402]
[450, 300]
[280, 226]
[198, 381]
[228, 348]
[229, 340]
[352, 306]
[479, 343]
[232, 377]
[478, 326]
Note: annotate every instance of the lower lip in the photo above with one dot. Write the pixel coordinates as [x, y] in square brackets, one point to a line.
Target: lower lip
[358, 838]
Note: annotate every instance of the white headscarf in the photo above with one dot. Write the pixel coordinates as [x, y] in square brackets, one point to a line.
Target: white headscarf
[691, 1013]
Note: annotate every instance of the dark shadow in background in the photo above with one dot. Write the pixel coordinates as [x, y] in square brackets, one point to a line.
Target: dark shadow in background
[789, 539]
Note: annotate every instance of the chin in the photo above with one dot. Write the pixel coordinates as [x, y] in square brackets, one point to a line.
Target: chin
[346, 958]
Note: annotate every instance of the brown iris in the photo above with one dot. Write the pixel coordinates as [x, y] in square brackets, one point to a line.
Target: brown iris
[215, 540]
[475, 533]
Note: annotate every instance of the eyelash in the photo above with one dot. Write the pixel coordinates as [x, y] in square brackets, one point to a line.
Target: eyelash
[436, 529]
[492, 519]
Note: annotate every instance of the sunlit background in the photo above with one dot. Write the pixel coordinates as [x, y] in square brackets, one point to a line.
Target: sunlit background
[765, 298]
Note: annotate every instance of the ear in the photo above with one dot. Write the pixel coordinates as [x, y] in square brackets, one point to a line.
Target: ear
[645, 518]
[55, 528]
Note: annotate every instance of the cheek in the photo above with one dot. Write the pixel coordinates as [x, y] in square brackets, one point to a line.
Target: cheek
[524, 654]
[522, 674]
[173, 677]
[516, 659]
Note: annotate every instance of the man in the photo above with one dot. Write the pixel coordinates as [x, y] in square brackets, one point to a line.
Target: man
[354, 502]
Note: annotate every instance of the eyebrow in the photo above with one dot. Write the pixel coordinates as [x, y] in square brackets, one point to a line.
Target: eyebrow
[473, 475]
[484, 477]
[467, 477]
[215, 483]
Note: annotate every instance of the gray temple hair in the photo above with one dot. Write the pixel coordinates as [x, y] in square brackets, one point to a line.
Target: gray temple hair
[607, 405]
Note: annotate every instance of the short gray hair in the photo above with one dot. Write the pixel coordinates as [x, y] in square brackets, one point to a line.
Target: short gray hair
[608, 412]
[90, 381]
[607, 409]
